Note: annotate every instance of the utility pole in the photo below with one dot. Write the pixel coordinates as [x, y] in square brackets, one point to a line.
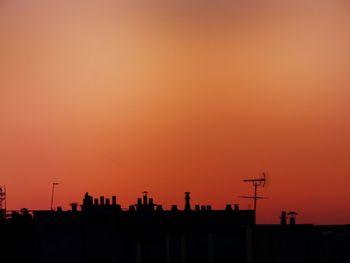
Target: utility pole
[52, 195]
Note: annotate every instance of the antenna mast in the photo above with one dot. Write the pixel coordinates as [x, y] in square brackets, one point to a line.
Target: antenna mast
[2, 202]
[260, 182]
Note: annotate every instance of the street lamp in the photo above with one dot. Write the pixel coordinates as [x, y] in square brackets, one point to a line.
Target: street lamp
[52, 194]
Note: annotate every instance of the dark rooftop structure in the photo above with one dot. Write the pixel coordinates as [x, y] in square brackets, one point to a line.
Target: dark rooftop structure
[101, 231]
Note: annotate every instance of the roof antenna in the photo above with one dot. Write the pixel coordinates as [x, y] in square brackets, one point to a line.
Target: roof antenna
[2, 201]
[259, 182]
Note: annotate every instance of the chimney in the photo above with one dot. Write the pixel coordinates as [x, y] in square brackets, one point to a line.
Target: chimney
[283, 218]
[228, 207]
[74, 207]
[102, 200]
[139, 204]
[114, 200]
[145, 199]
[292, 218]
[187, 201]
[151, 204]
[292, 221]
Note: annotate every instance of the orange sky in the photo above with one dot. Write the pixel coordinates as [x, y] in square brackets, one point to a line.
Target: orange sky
[116, 98]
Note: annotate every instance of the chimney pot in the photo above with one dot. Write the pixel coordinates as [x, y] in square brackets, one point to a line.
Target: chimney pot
[292, 218]
[228, 207]
[114, 200]
[102, 200]
[74, 207]
[283, 218]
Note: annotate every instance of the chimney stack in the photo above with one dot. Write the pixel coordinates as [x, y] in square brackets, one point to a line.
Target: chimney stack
[145, 199]
[114, 200]
[187, 201]
[151, 204]
[228, 207]
[292, 218]
[74, 207]
[102, 200]
[139, 204]
[283, 218]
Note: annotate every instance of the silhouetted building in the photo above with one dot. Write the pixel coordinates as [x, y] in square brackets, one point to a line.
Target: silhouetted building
[101, 231]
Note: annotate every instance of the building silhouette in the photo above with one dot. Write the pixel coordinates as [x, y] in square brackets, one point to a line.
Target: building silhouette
[101, 231]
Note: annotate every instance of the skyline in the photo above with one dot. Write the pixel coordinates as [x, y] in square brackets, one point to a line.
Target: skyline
[116, 98]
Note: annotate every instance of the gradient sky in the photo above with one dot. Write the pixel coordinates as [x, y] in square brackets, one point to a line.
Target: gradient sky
[172, 96]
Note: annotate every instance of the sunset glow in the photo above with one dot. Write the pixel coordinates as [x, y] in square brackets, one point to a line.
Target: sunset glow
[175, 96]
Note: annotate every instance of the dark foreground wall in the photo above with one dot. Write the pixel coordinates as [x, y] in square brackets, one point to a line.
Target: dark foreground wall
[135, 238]
[172, 237]
[17, 240]
[301, 243]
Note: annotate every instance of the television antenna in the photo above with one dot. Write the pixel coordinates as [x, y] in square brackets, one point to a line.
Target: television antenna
[258, 182]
